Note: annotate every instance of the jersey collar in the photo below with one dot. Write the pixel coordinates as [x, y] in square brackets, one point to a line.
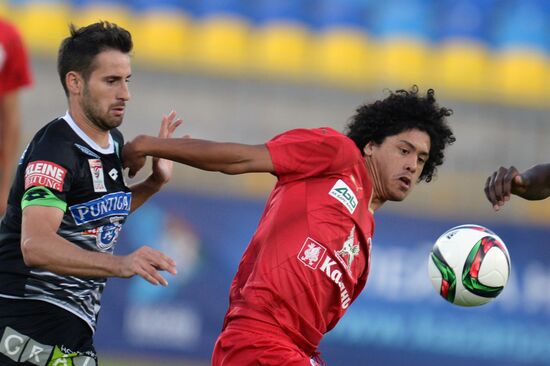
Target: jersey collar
[108, 150]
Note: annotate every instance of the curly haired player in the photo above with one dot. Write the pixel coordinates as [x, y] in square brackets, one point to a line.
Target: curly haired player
[309, 257]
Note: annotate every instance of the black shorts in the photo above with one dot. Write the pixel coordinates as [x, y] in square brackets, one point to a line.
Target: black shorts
[35, 332]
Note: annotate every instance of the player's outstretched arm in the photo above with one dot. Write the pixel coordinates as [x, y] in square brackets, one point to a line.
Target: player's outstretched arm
[228, 158]
[43, 248]
[532, 184]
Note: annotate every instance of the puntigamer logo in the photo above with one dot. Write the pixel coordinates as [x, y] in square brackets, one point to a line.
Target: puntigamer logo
[109, 205]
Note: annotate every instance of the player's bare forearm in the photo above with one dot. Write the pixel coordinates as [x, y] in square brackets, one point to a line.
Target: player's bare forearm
[228, 158]
[51, 252]
[42, 247]
[537, 183]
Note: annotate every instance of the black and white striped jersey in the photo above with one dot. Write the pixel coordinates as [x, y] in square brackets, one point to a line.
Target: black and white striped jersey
[62, 167]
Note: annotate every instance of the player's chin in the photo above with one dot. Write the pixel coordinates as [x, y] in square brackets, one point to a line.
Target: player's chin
[115, 121]
[399, 195]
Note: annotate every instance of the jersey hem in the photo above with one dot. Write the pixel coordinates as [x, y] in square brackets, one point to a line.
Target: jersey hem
[49, 301]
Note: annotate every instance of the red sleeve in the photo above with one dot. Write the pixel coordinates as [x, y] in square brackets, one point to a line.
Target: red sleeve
[14, 63]
[303, 153]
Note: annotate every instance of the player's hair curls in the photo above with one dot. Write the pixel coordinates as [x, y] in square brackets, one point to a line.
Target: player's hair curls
[78, 51]
[401, 111]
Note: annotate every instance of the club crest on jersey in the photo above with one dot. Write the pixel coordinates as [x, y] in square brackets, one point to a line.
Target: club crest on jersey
[311, 253]
[343, 193]
[106, 235]
[96, 168]
[113, 204]
[43, 173]
[349, 250]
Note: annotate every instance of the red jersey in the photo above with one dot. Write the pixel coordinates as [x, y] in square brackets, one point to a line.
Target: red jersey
[14, 65]
[309, 258]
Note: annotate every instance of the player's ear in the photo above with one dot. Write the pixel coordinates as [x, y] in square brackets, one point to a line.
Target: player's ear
[74, 82]
[369, 147]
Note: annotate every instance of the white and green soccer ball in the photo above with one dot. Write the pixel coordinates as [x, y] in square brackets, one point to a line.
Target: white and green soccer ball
[469, 265]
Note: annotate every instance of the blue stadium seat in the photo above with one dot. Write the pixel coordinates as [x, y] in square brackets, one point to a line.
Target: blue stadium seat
[342, 13]
[522, 24]
[206, 8]
[463, 19]
[289, 11]
[398, 18]
[142, 6]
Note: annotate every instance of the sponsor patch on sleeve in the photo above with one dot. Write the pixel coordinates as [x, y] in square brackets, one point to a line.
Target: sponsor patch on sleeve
[43, 173]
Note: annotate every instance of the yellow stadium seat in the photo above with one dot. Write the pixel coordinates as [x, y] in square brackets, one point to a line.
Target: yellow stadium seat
[162, 38]
[460, 67]
[521, 77]
[43, 24]
[404, 61]
[110, 12]
[281, 50]
[343, 56]
[220, 43]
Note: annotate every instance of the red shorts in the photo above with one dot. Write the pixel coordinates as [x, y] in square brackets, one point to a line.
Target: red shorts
[248, 347]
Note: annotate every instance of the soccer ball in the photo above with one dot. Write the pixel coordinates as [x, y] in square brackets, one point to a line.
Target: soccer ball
[469, 265]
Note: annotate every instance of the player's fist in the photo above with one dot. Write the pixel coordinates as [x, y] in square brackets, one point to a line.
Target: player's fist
[132, 158]
[500, 185]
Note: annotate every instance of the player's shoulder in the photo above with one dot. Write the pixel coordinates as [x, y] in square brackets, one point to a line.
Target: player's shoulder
[54, 140]
[319, 133]
[55, 131]
[337, 138]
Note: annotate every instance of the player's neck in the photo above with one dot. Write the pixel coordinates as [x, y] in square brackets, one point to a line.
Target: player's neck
[376, 198]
